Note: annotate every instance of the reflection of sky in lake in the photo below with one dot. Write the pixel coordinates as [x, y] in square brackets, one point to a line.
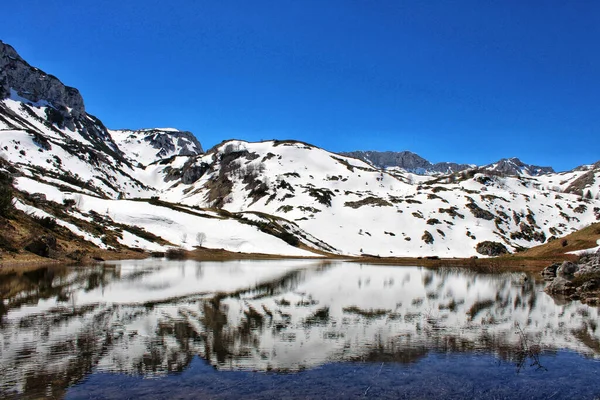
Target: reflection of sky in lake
[152, 317]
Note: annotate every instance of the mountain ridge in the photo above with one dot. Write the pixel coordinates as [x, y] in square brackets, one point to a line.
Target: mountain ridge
[414, 163]
[155, 189]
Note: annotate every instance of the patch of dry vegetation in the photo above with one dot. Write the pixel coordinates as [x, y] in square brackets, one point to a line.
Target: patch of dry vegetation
[585, 238]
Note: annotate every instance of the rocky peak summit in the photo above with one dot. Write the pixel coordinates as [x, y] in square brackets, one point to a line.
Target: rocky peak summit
[146, 146]
[513, 166]
[35, 85]
[406, 160]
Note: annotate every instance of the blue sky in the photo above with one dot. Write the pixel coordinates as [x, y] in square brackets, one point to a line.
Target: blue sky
[464, 81]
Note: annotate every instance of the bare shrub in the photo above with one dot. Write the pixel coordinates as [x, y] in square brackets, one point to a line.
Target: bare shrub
[175, 253]
[200, 238]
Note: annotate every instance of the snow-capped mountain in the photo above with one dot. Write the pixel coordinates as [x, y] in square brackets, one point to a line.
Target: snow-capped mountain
[359, 209]
[514, 166]
[407, 161]
[156, 188]
[414, 163]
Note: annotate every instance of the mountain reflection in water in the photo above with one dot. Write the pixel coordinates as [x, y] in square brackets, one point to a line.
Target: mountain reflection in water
[152, 317]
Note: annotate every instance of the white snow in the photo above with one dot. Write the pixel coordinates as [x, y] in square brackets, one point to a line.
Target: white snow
[176, 227]
[345, 205]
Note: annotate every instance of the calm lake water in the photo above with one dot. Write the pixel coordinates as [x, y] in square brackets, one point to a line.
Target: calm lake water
[290, 329]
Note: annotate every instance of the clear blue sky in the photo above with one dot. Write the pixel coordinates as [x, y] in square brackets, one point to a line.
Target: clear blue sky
[465, 81]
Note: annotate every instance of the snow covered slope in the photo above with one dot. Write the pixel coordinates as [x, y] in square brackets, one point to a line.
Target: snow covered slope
[359, 209]
[287, 191]
[150, 145]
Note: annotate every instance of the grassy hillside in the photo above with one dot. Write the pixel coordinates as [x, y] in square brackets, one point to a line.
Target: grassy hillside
[582, 239]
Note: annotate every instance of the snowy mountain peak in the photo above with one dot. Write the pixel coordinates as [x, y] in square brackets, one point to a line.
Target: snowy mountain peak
[515, 167]
[406, 160]
[146, 146]
[155, 188]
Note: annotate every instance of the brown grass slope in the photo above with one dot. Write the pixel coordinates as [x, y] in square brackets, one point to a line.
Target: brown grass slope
[21, 229]
[582, 239]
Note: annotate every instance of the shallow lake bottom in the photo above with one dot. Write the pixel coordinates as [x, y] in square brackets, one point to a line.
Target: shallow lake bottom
[436, 376]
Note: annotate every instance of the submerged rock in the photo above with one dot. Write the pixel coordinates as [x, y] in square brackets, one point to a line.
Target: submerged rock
[560, 285]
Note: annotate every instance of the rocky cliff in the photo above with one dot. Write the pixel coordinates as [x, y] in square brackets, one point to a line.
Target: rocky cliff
[406, 160]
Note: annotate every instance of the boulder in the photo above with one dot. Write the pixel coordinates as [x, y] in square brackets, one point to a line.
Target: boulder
[44, 246]
[567, 270]
[550, 271]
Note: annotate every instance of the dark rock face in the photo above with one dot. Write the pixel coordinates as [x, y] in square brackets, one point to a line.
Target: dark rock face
[35, 85]
[514, 166]
[66, 108]
[406, 160]
[492, 249]
[192, 172]
[427, 237]
[165, 141]
[579, 185]
[479, 212]
[189, 173]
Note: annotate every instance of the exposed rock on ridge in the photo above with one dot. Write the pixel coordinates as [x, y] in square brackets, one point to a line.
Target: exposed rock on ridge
[147, 146]
[165, 142]
[35, 85]
[514, 166]
[406, 160]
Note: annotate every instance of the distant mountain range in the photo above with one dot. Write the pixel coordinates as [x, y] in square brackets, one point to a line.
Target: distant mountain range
[154, 189]
[414, 163]
[406, 160]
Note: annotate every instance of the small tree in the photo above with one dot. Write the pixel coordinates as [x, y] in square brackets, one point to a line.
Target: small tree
[200, 238]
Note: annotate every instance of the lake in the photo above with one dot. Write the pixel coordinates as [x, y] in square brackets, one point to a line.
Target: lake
[291, 329]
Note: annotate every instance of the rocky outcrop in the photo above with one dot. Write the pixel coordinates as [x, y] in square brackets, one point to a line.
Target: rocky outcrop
[515, 167]
[492, 249]
[575, 281]
[64, 104]
[549, 272]
[406, 160]
[585, 181]
[147, 146]
[166, 142]
[35, 85]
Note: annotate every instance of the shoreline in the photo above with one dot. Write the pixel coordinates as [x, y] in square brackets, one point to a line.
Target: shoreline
[493, 264]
